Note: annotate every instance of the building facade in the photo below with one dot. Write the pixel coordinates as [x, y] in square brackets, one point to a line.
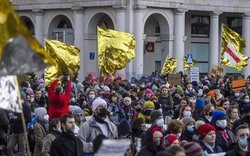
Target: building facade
[162, 28]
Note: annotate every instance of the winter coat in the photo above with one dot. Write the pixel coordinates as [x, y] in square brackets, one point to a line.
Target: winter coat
[116, 113]
[186, 135]
[66, 145]
[166, 104]
[217, 148]
[89, 130]
[222, 142]
[58, 103]
[39, 133]
[235, 151]
[47, 141]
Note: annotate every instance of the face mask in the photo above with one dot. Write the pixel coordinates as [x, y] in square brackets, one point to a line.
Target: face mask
[73, 100]
[148, 95]
[186, 114]
[147, 112]
[221, 123]
[91, 96]
[102, 112]
[246, 100]
[179, 134]
[32, 99]
[190, 88]
[160, 123]
[190, 128]
[243, 142]
[236, 94]
[192, 100]
[46, 117]
[59, 130]
[157, 141]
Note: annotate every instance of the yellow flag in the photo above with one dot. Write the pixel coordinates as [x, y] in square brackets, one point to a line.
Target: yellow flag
[169, 65]
[66, 60]
[115, 49]
[232, 48]
[186, 65]
[11, 26]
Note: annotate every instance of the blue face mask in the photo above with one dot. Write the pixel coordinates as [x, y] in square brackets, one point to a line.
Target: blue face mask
[157, 141]
[190, 128]
[243, 142]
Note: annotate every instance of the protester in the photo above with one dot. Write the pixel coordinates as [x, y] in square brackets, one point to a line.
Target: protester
[40, 129]
[54, 131]
[232, 116]
[208, 139]
[193, 149]
[245, 117]
[58, 101]
[176, 151]
[241, 147]
[189, 129]
[148, 107]
[170, 140]
[67, 143]
[97, 124]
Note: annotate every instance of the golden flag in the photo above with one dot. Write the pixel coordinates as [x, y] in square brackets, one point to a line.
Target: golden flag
[66, 60]
[232, 48]
[186, 65]
[12, 27]
[169, 65]
[115, 49]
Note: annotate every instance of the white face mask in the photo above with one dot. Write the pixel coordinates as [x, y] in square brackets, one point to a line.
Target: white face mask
[246, 100]
[221, 123]
[46, 117]
[91, 96]
[160, 123]
[186, 114]
[32, 99]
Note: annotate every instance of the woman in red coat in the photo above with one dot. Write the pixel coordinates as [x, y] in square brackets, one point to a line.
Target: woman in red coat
[58, 101]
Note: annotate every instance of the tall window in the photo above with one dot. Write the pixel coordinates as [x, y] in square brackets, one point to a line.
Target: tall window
[200, 26]
[235, 23]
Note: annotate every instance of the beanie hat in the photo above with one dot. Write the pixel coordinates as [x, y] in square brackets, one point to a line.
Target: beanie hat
[154, 87]
[217, 115]
[211, 93]
[170, 139]
[148, 91]
[29, 91]
[198, 124]
[80, 86]
[77, 110]
[97, 102]
[193, 149]
[149, 104]
[199, 103]
[153, 97]
[187, 120]
[154, 115]
[153, 130]
[124, 128]
[40, 112]
[204, 129]
[106, 89]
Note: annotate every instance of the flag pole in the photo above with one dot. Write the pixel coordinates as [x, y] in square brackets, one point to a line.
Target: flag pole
[25, 135]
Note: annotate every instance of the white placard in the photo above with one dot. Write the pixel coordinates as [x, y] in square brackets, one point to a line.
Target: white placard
[194, 74]
[113, 147]
[10, 98]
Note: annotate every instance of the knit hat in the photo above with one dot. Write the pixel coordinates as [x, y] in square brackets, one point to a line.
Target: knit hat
[153, 130]
[199, 103]
[204, 129]
[198, 124]
[211, 93]
[169, 139]
[154, 87]
[193, 149]
[187, 120]
[40, 112]
[106, 89]
[218, 115]
[29, 91]
[148, 91]
[124, 128]
[97, 102]
[77, 110]
[154, 115]
[153, 97]
[149, 104]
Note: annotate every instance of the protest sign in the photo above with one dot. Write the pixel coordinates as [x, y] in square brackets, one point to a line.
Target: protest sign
[237, 85]
[10, 98]
[174, 78]
[218, 71]
[193, 74]
[113, 147]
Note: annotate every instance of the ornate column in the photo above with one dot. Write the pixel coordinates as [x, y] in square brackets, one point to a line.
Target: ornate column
[39, 25]
[246, 35]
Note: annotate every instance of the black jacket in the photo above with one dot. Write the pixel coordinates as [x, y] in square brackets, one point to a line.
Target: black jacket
[240, 122]
[221, 141]
[217, 148]
[66, 145]
[16, 124]
[186, 135]
[235, 151]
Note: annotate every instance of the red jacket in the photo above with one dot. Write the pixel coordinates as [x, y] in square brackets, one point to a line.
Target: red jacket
[58, 103]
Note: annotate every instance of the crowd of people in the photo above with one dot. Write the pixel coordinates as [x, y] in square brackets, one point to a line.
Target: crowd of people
[72, 118]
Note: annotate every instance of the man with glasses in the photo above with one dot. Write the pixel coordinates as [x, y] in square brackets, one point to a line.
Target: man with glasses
[97, 124]
[241, 147]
